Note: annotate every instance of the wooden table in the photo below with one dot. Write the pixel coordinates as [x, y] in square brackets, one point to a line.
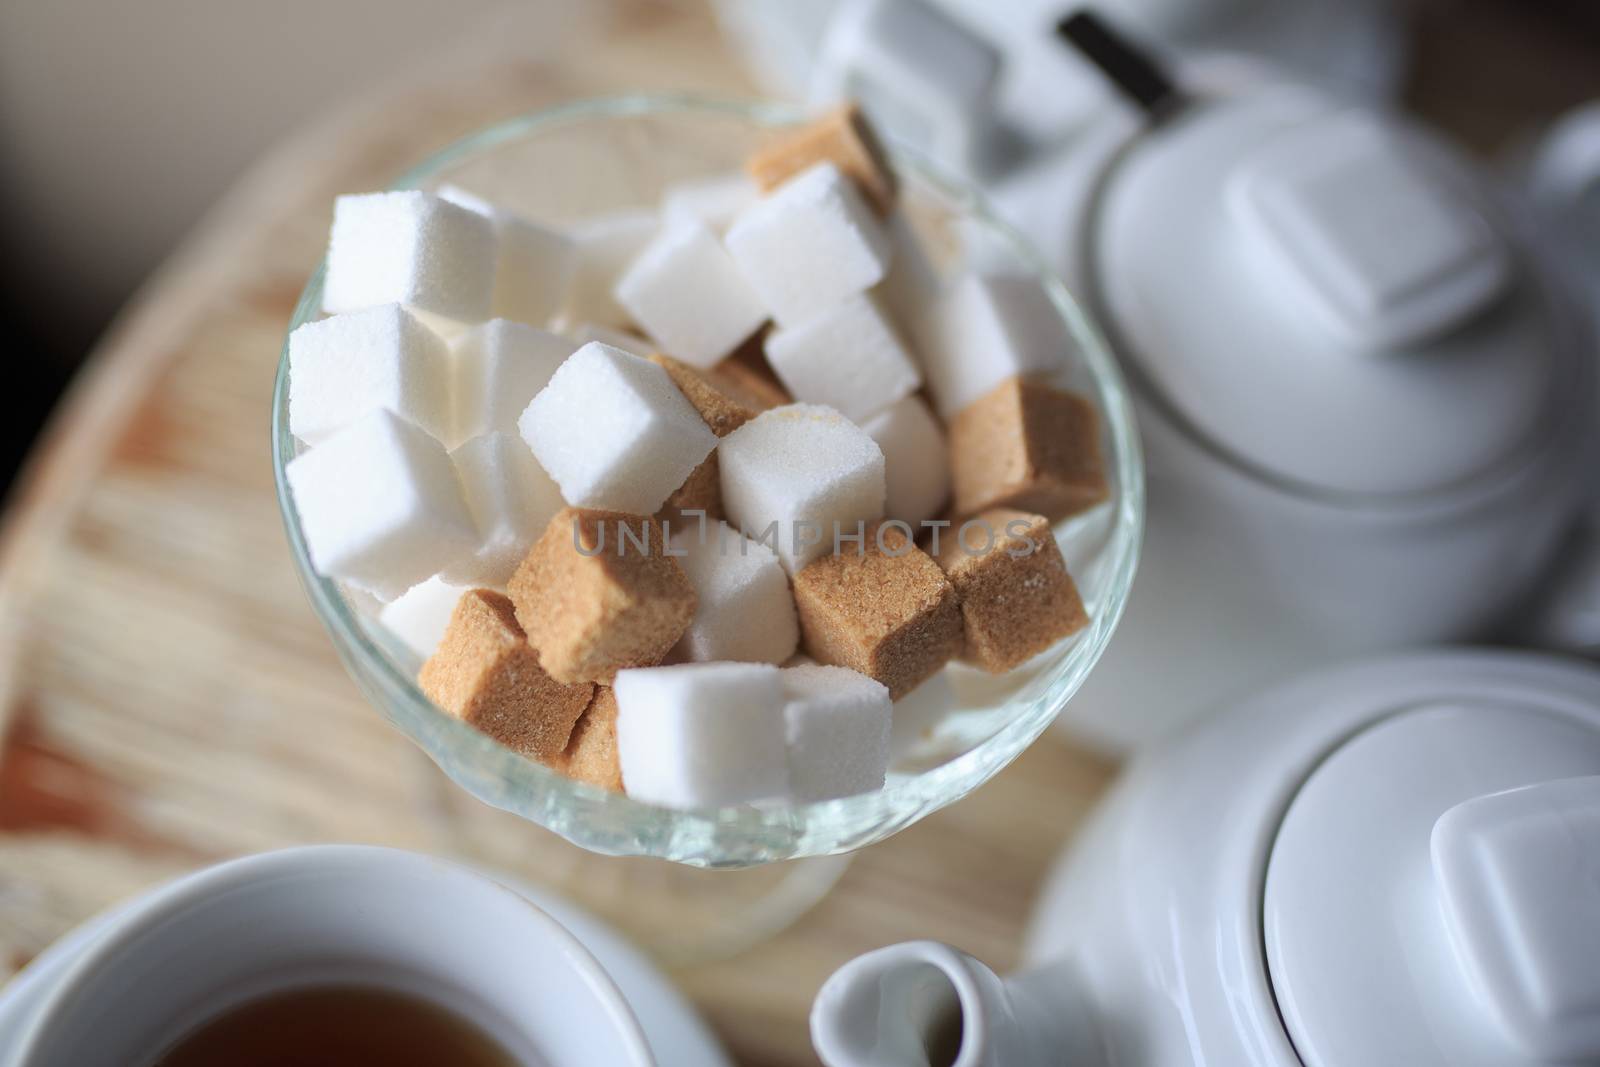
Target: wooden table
[168, 698]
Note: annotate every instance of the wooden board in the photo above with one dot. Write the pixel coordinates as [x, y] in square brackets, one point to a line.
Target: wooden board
[169, 698]
[166, 697]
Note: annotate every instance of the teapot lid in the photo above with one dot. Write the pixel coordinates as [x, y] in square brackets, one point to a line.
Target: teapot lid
[1325, 294]
[1433, 893]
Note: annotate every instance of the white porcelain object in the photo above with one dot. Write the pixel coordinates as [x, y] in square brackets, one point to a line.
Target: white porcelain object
[1562, 182]
[1565, 175]
[1045, 95]
[1354, 442]
[1413, 839]
[927, 77]
[332, 914]
[678, 1037]
[1354, 48]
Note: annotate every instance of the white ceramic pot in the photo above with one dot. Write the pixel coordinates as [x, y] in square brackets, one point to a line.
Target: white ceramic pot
[1368, 402]
[333, 915]
[1389, 862]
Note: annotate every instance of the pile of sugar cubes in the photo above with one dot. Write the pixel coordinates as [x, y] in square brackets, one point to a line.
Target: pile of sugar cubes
[658, 500]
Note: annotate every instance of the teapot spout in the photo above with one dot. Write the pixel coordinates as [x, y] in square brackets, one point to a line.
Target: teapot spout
[925, 1004]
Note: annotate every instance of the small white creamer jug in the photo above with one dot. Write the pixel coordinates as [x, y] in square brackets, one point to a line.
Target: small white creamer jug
[1393, 861]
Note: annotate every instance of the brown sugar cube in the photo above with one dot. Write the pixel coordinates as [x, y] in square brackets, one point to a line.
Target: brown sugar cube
[701, 491]
[487, 675]
[619, 602]
[841, 137]
[755, 385]
[1029, 446]
[721, 411]
[591, 755]
[724, 413]
[748, 378]
[887, 612]
[1017, 598]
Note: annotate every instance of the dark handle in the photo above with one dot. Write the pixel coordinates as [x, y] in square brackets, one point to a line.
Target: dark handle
[1129, 68]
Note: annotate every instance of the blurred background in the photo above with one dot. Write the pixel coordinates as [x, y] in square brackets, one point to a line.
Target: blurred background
[166, 172]
[121, 124]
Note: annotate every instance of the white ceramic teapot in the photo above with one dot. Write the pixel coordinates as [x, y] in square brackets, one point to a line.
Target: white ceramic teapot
[1395, 861]
[1368, 407]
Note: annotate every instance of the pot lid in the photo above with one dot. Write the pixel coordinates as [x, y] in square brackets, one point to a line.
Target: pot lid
[1326, 294]
[1433, 892]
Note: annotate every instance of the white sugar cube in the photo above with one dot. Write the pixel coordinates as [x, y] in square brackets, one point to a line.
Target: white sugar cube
[848, 357]
[715, 201]
[420, 615]
[836, 725]
[500, 366]
[367, 605]
[478, 205]
[533, 264]
[987, 328]
[811, 243]
[605, 246]
[798, 474]
[511, 500]
[380, 505]
[686, 292]
[746, 612]
[915, 68]
[346, 366]
[916, 460]
[615, 338]
[614, 432]
[410, 248]
[911, 287]
[702, 734]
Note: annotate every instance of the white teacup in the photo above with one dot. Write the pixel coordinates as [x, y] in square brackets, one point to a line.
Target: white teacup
[344, 915]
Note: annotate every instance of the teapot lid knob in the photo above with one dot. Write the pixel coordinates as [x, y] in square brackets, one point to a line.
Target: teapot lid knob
[1330, 297]
[1433, 892]
[1373, 243]
[1518, 875]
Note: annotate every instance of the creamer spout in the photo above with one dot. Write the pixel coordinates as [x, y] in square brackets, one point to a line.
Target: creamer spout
[925, 1004]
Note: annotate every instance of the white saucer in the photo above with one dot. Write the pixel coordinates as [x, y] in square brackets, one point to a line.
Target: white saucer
[677, 1034]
